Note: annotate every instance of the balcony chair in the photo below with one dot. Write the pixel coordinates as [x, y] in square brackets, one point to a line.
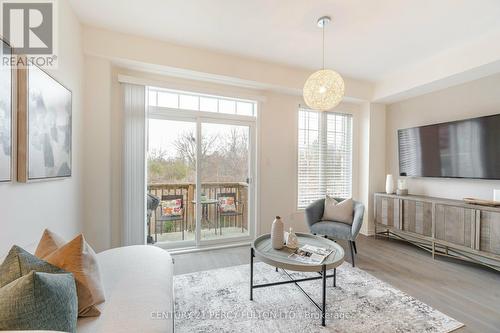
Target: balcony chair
[153, 203]
[333, 229]
[228, 207]
[171, 210]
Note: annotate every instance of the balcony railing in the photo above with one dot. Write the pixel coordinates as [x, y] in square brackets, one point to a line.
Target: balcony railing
[235, 226]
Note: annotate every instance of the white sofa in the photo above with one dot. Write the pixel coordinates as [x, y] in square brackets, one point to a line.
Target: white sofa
[138, 283]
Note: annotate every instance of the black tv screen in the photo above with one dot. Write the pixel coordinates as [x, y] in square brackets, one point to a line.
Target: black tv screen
[459, 149]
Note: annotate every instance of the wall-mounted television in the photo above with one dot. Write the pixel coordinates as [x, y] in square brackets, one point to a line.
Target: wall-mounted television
[460, 149]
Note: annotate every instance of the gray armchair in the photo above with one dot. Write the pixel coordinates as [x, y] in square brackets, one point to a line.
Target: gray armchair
[332, 229]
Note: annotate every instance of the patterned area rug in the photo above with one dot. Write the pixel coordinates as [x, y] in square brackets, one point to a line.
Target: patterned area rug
[218, 301]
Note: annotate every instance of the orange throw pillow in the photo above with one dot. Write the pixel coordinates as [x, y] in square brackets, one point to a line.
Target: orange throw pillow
[48, 244]
[79, 258]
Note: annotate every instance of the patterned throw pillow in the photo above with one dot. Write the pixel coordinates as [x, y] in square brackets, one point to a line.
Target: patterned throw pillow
[39, 301]
[227, 204]
[171, 207]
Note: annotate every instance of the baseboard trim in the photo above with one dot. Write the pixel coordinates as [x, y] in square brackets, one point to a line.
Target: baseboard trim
[204, 248]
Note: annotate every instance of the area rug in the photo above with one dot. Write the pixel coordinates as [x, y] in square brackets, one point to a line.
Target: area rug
[218, 301]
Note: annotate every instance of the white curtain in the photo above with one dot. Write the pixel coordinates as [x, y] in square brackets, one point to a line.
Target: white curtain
[134, 165]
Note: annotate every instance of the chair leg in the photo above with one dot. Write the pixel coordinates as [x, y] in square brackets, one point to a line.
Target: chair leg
[217, 222]
[354, 245]
[182, 227]
[156, 232]
[352, 252]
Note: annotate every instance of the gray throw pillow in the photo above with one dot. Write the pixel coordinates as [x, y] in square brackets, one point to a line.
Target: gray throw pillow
[39, 301]
[338, 211]
[20, 262]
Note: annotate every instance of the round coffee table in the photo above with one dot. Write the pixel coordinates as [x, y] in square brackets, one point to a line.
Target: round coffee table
[263, 250]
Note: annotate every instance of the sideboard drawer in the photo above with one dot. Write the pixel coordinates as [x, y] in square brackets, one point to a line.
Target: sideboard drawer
[387, 211]
[490, 232]
[417, 217]
[456, 225]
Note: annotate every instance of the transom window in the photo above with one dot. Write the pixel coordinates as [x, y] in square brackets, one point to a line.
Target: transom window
[324, 156]
[174, 99]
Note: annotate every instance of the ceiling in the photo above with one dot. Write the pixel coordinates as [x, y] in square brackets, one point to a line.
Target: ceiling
[368, 40]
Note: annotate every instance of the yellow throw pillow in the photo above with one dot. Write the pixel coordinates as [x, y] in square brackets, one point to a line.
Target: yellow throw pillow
[79, 258]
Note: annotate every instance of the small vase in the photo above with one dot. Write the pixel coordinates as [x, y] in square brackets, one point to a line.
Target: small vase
[402, 184]
[292, 242]
[277, 233]
[389, 185]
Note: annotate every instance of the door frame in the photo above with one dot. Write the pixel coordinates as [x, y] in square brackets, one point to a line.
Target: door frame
[199, 118]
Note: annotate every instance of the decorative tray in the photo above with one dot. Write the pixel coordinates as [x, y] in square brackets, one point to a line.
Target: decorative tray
[482, 202]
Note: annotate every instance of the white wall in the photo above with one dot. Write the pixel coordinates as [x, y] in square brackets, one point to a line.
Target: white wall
[278, 160]
[177, 67]
[206, 65]
[97, 152]
[473, 99]
[372, 159]
[26, 209]
[277, 154]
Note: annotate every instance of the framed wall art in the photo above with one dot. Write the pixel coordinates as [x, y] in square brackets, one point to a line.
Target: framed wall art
[5, 114]
[44, 126]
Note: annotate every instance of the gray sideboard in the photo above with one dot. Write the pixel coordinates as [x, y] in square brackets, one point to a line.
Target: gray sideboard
[441, 226]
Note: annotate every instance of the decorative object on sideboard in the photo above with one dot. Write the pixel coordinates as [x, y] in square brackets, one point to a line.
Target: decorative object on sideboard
[44, 126]
[496, 195]
[402, 187]
[481, 202]
[291, 240]
[5, 116]
[389, 184]
[277, 234]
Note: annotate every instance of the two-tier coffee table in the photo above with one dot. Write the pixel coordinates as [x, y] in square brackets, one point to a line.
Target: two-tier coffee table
[263, 250]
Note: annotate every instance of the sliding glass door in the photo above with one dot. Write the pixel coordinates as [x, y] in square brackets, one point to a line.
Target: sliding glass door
[215, 153]
[171, 180]
[225, 169]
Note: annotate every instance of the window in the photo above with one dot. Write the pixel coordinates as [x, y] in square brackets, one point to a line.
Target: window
[324, 156]
[181, 100]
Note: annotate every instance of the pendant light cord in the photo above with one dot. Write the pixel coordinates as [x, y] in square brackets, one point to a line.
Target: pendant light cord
[323, 46]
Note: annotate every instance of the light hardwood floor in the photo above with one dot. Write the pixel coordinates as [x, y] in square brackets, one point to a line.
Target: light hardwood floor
[466, 292]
